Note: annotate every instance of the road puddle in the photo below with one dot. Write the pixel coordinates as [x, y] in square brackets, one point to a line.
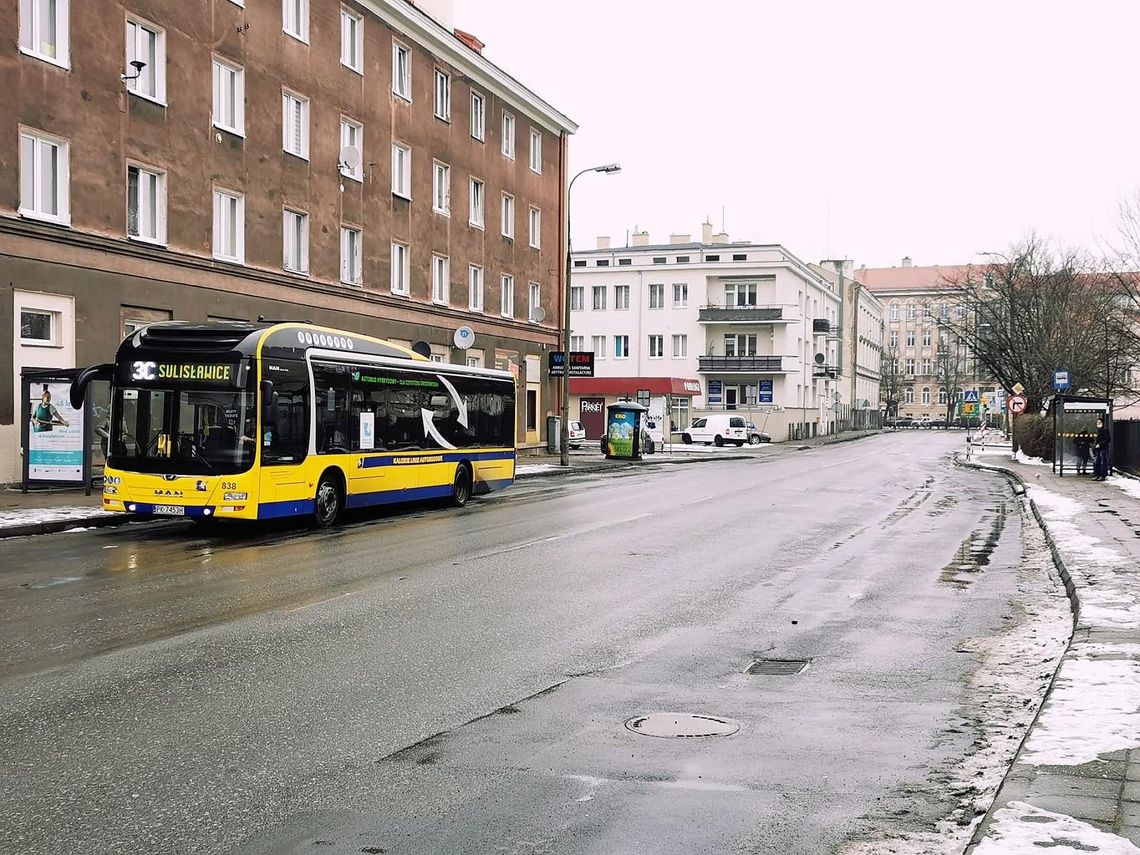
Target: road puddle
[974, 554]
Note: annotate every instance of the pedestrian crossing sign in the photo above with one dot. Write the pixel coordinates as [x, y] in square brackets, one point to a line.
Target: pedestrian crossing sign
[970, 396]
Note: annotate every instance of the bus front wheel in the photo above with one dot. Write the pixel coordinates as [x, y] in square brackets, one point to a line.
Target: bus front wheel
[330, 500]
[461, 486]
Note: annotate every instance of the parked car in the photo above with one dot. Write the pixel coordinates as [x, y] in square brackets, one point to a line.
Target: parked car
[755, 435]
[924, 422]
[716, 429]
[577, 434]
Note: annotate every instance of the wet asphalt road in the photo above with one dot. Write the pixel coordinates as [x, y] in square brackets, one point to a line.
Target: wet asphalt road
[433, 681]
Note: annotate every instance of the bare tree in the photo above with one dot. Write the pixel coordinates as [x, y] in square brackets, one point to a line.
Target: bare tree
[890, 380]
[950, 371]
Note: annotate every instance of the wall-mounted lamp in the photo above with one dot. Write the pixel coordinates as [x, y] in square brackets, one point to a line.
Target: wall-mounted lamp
[138, 65]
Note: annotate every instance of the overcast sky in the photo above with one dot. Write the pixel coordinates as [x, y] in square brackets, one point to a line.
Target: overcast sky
[865, 129]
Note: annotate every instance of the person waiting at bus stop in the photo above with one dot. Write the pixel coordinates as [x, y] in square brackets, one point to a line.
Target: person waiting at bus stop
[1102, 464]
[1082, 442]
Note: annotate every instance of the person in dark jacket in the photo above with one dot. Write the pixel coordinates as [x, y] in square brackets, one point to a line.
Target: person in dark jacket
[1102, 466]
[1083, 444]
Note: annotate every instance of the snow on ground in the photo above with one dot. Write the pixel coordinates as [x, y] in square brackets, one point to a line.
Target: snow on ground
[1131, 486]
[29, 516]
[532, 468]
[1020, 829]
[1063, 517]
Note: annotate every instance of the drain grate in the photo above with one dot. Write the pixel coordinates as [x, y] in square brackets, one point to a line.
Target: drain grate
[777, 667]
[681, 725]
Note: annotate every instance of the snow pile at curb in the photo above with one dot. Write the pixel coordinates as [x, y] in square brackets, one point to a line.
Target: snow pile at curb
[1131, 486]
[32, 516]
[1022, 828]
[532, 468]
[1061, 515]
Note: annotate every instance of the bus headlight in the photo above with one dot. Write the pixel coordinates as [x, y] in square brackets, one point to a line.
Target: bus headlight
[109, 490]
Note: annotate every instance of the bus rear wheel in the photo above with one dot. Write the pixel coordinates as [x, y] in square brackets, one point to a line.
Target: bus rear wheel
[461, 486]
[329, 501]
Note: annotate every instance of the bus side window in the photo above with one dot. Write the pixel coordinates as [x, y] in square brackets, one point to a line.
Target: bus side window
[287, 439]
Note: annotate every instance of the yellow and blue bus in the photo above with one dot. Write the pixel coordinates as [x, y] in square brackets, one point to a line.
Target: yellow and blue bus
[248, 421]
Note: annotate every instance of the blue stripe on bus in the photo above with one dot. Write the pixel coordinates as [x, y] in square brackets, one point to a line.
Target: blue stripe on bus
[432, 457]
[293, 508]
[388, 497]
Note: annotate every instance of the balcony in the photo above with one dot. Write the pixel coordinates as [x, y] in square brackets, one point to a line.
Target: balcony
[749, 364]
[742, 315]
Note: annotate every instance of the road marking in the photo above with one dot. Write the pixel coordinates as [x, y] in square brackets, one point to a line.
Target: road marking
[577, 532]
[319, 602]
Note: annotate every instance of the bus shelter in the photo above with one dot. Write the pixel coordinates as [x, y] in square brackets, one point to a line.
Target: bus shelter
[1074, 429]
[62, 445]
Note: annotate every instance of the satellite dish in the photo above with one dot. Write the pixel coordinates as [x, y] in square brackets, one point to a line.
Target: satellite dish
[422, 348]
[538, 314]
[350, 157]
[820, 359]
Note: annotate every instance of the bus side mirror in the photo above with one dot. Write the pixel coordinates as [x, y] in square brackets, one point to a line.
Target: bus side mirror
[268, 404]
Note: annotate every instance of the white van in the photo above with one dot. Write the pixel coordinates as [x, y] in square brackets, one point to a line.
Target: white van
[716, 429]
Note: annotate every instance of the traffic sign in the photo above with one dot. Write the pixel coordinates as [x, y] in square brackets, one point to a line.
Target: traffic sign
[1061, 381]
[970, 396]
[1018, 388]
[1017, 404]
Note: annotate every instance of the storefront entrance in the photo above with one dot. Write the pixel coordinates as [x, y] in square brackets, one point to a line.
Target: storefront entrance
[592, 414]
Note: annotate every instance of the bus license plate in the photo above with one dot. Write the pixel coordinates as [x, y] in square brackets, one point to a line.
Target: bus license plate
[170, 510]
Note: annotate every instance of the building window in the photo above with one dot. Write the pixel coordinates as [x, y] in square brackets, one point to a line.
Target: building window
[478, 116]
[680, 346]
[351, 40]
[960, 312]
[535, 227]
[229, 96]
[402, 71]
[577, 298]
[894, 338]
[352, 137]
[146, 204]
[508, 136]
[536, 151]
[507, 297]
[350, 268]
[534, 295]
[625, 262]
[474, 360]
[894, 311]
[442, 95]
[508, 215]
[926, 395]
[146, 43]
[682, 259]
[657, 296]
[621, 347]
[401, 170]
[599, 343]
[910, 364]
[475, 289]
[441, 189]
[621, 297]
[659, 259]
[942, 397]
[37, 327]
[439, 279]
[599, 298]
[656, 346]
[478, 203]
[44, 177]
[911, 312]
[909, 396]
[295, 18]
[928, 366]
[739, 344]
[44, 30]
[229, 226]
[296, 242]
[603, 262]
[740, 294]
[910, 338]
[295, 124]
[680, 295]
[401, 269]
[577, 343]
[926, 339]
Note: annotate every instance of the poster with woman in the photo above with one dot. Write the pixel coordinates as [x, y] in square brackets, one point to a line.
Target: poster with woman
[55, 437]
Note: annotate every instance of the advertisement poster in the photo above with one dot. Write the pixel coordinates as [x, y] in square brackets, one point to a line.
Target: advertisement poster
[620, 433]
[55, 437]
[367, 431]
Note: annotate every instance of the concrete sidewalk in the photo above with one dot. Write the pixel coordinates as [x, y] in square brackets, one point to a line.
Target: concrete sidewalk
[1075, 783]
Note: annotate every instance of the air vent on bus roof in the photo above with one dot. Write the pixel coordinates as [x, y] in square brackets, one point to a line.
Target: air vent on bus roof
[193, 337]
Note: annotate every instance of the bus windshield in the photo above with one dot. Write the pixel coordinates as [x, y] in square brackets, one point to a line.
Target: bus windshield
[183, 431]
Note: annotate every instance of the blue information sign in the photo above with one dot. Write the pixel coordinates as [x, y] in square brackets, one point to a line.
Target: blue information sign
[765, 392]
[1061, 381]
[715, 391]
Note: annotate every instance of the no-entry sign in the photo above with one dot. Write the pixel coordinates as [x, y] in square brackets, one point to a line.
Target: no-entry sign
[1016, 404]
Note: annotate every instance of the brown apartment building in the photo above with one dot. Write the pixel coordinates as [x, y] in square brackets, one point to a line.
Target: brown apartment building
[359, 164]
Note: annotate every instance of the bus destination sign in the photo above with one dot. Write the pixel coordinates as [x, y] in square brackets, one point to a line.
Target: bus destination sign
[147, 371]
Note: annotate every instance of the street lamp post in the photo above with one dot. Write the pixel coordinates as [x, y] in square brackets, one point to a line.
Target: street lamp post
[564, 444]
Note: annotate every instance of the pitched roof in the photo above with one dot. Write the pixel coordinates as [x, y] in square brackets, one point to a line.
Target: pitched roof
[936, 277]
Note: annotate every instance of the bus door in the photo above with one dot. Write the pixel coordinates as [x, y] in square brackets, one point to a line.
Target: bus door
[285, 434]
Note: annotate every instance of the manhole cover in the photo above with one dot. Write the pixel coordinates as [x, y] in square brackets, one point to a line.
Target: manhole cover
[681, 725]
[777, 667]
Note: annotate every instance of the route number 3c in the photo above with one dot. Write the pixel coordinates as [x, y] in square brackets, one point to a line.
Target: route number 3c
[143, 370]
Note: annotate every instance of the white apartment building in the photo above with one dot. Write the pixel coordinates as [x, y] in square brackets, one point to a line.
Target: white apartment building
[744, 326]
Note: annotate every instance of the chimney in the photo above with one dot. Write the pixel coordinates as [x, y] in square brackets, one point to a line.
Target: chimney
[680, 238]
[603, 241]
[706, 232]
[641, 239]
[907, 261]
[471, 41]
[720, 237]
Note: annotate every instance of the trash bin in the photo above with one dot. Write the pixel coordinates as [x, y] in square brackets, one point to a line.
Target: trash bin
[554, 434]
[623, 430]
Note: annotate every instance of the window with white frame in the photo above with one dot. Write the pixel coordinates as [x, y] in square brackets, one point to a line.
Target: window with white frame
[401, 170]
[599, 298]
[442, 95]
[229, 96]
[928, 366]
[911, 311]
[352, 136]
[893, 340]
[908, 397]
[534, 291]
[910, 365]
[536, 151]
[350, 256]
[296, 241]
[351, 40]
[910, 338]
[508, 216]
[478, 116]
[475, 288]
[599, 346]
[577, 298]
[926, 338]
[44, 177]
[38, 327]
[739, 294]
[942, 397]
[926, 395]
[474, 360]
[577, 343]
[401, 269]
[441, 189]
[146, 204]
[680, 295]
[739, 344]
[621, 347]
[44, 28]
[507, 296]
[535, 227]
[894, 311]
[146, 43]
[439, 279]
[478, 203]
[656, 346]
[229, 226]
[295, 18]
[621, 297]
[508, 148]
[680, 346]
[401, 71]
[657, 296]
[295, 124]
